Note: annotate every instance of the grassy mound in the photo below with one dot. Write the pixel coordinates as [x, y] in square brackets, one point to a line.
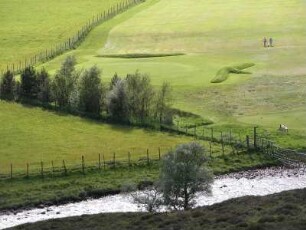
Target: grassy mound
[140, 55]
[223, 73]
[285, 210]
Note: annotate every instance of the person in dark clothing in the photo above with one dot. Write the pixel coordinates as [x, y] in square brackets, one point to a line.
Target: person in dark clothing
[271, 42]
[265, 42]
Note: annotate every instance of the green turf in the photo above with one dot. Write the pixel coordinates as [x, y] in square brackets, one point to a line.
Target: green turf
[211, 35]
[30, 26]
[33, 135]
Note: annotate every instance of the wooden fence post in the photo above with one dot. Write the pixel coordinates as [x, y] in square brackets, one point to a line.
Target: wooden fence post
[99, 161]
[64, 167]
[210, 149]
[255, 137]
[159, 153]
[148, 157]
[42, 169]
[52, 164]
[222, 143]
[248, 142]
[11, 171]
[83, 165]
[129, 159]
[27, 169]
[114, 160]
[230, 136]
[104, 165]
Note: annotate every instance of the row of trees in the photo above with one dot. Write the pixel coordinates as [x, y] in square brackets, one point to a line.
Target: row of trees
[129, 99]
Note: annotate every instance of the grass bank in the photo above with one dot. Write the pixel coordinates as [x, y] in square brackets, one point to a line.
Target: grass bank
[31, 135]
[286, 210]
[33, 191]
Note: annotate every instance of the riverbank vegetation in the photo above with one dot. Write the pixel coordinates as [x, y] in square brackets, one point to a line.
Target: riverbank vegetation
[286, 210]
[29, 192]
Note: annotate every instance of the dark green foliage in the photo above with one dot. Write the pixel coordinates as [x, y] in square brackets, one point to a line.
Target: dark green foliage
[90, 91]
[7, 86]
[183, 174]
[237, 214]
[114, 81]
[44, 94]
[65, 83]
[163, 103]
[117, 103]
[140, 95]
[29, 83]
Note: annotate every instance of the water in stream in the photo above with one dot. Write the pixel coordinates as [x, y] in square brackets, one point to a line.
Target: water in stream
[253, 182]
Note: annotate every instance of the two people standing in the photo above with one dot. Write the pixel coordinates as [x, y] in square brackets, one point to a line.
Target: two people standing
[266, 43]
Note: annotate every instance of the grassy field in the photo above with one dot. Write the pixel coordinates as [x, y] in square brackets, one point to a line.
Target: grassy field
[33, 135]
[184, 42]
[213, 35]
[280, 211]
[29, 26]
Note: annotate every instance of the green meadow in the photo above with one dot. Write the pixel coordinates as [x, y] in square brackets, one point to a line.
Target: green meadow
[210, 34]
[183, 42]
[31, 135]
[213, 35]
[29, 27]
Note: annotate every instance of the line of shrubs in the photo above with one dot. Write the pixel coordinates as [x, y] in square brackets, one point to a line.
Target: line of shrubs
[131, 99]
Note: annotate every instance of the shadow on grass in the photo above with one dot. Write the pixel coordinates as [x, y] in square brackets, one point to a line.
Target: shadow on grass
[140, 55]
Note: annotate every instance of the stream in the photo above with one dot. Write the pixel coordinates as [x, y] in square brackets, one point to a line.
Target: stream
[253, 182]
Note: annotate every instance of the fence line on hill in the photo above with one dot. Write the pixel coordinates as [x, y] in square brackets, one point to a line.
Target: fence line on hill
[73, 41]
[227, 142]
[249, 142]
[64, 167]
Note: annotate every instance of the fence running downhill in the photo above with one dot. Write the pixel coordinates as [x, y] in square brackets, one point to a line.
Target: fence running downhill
[253, 142]
[73, 41]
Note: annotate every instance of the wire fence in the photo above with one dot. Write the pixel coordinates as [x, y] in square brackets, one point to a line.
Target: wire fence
[101, 163]
[217, 143]
[72, 42]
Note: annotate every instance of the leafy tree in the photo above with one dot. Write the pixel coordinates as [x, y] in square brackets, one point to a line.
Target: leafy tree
[44, 86]
[114, 81]
[163, 102]
[91, 91]
[7, 86]
[68, 67]
[65, 82]
[183, 174]
[29, 83]
[140, 95]
[117, 102]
